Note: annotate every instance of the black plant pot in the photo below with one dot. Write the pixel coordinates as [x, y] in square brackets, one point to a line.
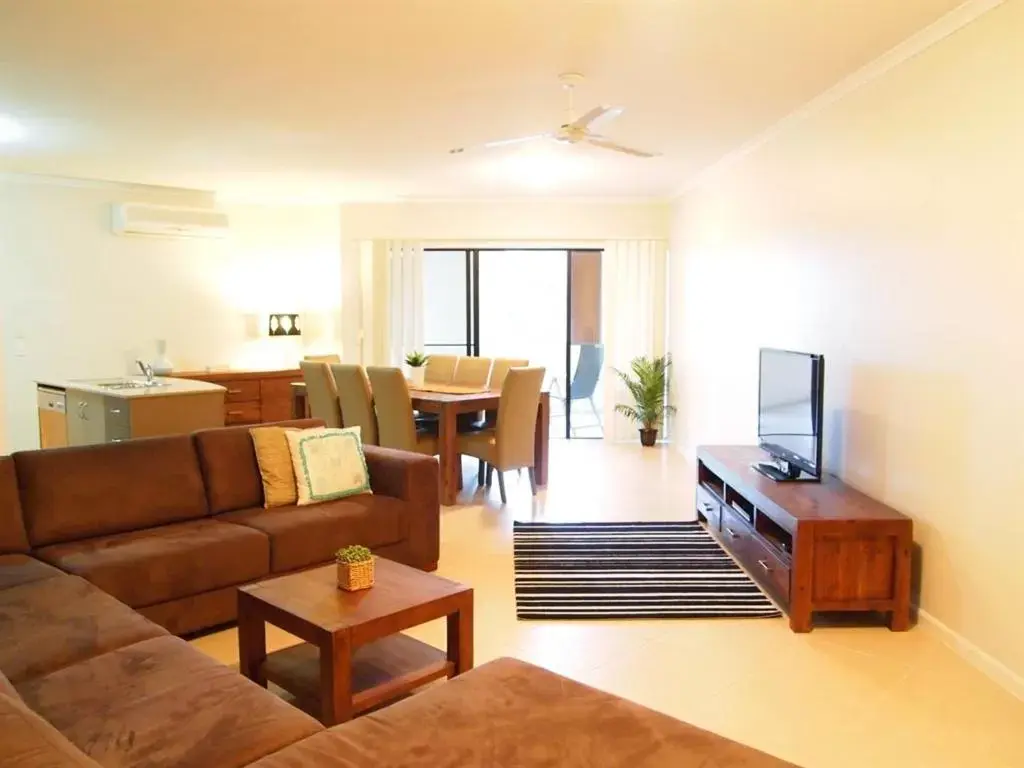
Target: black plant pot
[648, 437]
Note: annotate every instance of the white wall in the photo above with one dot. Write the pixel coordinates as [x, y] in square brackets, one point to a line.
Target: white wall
[79, 302]
[886, 231]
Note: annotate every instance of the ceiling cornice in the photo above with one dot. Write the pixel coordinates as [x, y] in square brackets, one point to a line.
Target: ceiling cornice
[917, 43]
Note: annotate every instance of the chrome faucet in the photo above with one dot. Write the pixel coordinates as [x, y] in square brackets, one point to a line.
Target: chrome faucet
[147, 371]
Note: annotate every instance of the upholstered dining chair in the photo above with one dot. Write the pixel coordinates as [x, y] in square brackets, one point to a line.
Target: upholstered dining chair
[440, 369]
[472, 371]
[510, 444]
[500, 371]
[321, 393]
[329, 359]
[395, 425]
[356, 400]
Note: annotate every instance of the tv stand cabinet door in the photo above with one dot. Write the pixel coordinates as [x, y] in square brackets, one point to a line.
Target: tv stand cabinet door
[860, 566]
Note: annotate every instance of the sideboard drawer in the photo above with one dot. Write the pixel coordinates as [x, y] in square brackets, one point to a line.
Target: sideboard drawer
[243, 413]
[241, 391]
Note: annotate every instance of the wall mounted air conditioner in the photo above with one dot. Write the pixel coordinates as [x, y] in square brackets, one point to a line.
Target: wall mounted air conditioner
[167, 221]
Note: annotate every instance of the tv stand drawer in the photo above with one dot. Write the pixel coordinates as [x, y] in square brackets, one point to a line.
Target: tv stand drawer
[708, 509]
[756, 555]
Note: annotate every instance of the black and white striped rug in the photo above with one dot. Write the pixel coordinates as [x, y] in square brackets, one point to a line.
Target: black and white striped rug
[629, 571]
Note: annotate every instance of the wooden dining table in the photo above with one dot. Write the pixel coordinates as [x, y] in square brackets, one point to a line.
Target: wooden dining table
[447, 406]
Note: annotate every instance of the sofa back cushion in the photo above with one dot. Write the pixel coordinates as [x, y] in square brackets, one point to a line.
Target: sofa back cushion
[12, 527]
[230, 471]
[28, 741]
[97, 490]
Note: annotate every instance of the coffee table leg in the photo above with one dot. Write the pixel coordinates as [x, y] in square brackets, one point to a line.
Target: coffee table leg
[252, 642]
[336, 679]
[460, 638]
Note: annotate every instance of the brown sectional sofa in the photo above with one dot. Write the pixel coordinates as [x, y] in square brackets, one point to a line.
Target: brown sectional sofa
[85, 681]
[172, 525]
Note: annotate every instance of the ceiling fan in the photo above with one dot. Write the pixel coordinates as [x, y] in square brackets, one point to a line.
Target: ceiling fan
[575, 129]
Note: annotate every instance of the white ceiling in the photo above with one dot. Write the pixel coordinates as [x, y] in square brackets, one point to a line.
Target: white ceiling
[361, 99]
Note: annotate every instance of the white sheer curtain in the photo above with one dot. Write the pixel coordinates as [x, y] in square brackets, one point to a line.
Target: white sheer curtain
[391, 276]
[633, 311]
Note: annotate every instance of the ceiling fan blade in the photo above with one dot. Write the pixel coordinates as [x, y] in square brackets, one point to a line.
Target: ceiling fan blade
[503, 142]
[596, 116]
[520, 140]
[607, 144]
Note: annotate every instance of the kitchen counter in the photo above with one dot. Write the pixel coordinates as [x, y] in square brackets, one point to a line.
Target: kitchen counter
[171, 388]
[84, 412]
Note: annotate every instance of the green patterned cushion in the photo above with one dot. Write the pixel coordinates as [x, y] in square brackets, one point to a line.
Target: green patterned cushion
[329, 464]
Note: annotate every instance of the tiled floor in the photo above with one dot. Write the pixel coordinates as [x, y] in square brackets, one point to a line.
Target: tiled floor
[832, 698]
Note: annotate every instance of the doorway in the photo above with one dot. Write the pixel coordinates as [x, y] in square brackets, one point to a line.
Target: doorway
[539, 304]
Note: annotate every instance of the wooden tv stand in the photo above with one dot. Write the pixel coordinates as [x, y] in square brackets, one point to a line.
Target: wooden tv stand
[812, 546]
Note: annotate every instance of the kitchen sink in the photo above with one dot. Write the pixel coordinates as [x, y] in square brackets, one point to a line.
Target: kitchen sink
[131, 384]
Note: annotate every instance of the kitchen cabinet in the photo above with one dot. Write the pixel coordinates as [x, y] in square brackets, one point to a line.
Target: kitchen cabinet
[253, 397]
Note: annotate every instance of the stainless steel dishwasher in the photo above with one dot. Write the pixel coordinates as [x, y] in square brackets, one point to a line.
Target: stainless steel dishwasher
[53, 424]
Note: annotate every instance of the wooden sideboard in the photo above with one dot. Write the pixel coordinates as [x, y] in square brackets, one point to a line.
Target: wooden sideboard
[253, 397]
[812, 546]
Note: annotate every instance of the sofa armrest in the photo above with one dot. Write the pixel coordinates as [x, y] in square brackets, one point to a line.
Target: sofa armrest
[413, 478]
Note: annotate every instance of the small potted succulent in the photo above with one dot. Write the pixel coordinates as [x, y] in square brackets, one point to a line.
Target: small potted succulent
[355, 568]
[417, 363]
[647, 385]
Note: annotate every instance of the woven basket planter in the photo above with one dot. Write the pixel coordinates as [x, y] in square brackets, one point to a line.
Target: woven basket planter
[355, 576]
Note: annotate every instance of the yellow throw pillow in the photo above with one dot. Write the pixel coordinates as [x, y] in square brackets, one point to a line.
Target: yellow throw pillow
[274, 457]
[328, 464]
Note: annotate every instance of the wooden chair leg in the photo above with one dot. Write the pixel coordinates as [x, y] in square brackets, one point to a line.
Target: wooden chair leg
[480, 472]
[490, 472]
[458, 463]
[533, 480]
[501, 487]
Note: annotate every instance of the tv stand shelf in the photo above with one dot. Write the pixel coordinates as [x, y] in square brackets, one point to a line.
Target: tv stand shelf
[812, 546]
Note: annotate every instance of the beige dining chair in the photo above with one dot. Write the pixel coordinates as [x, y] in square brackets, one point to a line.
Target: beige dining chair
[510, 444]
[440, 369]
[472, 371]
[329, 359]
[500, 371]
[356, 400]
[395, 425]
[321, 393]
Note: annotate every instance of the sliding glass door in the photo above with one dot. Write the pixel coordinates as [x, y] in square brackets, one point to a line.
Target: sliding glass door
[541, 305]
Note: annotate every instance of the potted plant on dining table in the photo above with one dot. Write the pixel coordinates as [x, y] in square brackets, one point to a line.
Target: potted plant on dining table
[417, 364]
[647, 384]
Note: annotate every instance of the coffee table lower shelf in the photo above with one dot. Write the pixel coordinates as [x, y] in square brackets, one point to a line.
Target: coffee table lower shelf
[381, 671]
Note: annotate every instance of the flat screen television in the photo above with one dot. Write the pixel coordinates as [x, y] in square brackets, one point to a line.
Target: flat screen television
[789, 413]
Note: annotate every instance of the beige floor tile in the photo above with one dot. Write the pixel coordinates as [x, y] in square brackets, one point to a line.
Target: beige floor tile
[834, 698]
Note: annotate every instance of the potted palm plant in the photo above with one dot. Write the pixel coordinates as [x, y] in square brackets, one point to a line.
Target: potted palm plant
[646, 383]
[417, 363]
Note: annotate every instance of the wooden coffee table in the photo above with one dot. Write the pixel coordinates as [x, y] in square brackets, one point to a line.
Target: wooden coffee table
[355, 656]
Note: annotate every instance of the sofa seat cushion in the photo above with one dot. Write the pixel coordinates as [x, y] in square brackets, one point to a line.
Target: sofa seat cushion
[163, 703]
[28, 741]
[510, 713]
[22, 569]
[304, 536]
[55, 622]
[158, 564]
